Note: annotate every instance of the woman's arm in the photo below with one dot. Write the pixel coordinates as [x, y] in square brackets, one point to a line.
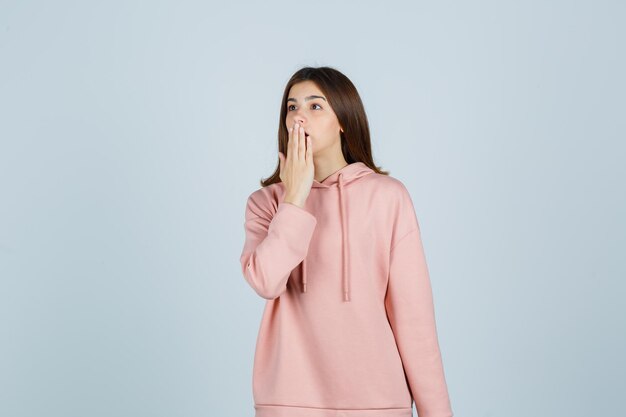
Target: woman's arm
[274, 245]
[410, 310]
[411, 313]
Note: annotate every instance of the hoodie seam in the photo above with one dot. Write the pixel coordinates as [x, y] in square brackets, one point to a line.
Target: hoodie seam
[402, 238]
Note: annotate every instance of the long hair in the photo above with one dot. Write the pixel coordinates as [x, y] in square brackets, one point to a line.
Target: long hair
[348, 107]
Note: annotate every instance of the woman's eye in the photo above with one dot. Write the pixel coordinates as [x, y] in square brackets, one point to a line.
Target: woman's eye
[314, 104]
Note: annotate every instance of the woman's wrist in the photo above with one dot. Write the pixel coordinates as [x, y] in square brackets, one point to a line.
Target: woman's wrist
[294, 200]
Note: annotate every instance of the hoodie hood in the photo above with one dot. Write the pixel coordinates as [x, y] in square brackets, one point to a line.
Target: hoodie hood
[344, 176]
[336, 183]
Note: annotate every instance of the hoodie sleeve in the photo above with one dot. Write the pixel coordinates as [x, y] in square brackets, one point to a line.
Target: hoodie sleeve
[410, 309]
[274, 244]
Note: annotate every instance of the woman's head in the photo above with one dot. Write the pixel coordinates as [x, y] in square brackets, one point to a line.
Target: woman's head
[326, 103]
[308, 106]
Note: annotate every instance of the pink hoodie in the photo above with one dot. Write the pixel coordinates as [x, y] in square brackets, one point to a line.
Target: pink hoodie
[348, 328]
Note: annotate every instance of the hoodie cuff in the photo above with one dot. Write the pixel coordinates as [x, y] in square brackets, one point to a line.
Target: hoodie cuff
[295, 217]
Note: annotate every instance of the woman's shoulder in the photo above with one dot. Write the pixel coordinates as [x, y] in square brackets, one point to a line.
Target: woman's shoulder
[399, 203]
[388, 186]
[266, 198]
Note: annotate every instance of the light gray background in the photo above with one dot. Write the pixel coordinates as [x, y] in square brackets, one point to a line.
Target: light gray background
[133, 132]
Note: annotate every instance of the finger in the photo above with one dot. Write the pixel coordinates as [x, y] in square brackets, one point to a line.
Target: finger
[281, 159]
[302, 145]
[292, 141]
[309, 151]
[295, 141]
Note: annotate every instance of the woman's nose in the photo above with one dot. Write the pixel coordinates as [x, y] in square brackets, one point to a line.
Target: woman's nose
[298, 120]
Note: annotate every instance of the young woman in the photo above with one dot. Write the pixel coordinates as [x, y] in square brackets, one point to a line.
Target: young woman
[333, 244]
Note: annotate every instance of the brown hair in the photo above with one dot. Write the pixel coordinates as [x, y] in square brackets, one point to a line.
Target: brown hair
[347, 105]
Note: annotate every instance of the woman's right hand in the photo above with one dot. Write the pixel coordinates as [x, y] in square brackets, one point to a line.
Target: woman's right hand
[297, 170]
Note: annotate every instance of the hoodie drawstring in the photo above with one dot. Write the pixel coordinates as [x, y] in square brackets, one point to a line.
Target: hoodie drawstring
[345, 273]
[303, 269]
[344, 241]
[345, 175]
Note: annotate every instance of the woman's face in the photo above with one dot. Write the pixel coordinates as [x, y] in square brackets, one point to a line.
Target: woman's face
[308, 106]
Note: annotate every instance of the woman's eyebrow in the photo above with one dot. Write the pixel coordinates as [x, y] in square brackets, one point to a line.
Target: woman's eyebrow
[306, 98]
